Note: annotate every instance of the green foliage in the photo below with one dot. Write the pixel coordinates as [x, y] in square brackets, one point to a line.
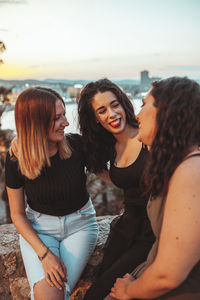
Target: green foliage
[2, 49]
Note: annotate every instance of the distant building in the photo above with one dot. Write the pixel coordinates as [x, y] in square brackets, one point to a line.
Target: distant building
[145, 81]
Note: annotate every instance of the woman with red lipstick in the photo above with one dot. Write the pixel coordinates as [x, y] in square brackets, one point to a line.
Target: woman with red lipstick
[58, 228]
[109, 130]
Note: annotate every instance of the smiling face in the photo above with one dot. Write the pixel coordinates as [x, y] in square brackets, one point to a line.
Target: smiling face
[109, 112]
[147, 120]
[56, 132]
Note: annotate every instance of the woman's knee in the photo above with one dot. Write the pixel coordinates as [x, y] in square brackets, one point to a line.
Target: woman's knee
[42, 291]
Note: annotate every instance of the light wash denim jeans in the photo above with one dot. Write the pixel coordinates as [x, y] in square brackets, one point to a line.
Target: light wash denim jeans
[72, 238]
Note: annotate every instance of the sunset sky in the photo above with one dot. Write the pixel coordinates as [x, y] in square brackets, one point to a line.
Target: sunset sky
[87, 39]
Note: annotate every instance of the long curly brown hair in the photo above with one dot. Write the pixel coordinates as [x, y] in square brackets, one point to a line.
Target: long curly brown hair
[98, 142]
[178, 129]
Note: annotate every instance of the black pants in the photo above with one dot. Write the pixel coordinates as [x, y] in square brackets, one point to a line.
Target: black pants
[187, 296]
[130, 259]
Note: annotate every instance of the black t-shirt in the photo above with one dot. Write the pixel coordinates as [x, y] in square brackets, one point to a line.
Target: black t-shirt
[60, 189]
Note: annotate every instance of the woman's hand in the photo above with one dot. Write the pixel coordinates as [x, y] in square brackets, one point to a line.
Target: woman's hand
[55, 270]
[119, 290]
[13, 150]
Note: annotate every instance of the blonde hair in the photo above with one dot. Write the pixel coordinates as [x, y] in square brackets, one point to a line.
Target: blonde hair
[34, 115]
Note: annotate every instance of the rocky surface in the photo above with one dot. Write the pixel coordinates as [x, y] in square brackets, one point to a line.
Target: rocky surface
[13, 281]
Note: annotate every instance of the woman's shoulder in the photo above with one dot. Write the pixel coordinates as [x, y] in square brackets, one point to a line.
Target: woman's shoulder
[183, 196]
[13, 177]
[75, 141]
[74, 138]
[190, 165]
[187, 174]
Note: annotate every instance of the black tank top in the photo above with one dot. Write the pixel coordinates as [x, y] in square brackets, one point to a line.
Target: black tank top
[130, 180]
[134, 223]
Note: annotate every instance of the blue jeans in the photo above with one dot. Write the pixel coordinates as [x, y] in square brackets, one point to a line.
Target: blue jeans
[72, 238]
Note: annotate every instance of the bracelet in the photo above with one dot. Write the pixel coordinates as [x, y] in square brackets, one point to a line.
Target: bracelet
[44, 255]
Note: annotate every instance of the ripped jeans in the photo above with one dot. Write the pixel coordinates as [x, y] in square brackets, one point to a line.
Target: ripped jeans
[72, 238]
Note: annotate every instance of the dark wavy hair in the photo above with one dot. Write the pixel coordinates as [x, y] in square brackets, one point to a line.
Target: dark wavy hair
[98, 142]
[178, 129]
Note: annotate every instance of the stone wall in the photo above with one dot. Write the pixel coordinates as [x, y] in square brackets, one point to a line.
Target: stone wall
[13, 281]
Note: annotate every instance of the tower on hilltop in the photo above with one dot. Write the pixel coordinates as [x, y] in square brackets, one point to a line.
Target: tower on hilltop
[145, 82]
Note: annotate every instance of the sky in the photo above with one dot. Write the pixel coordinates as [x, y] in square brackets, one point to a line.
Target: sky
[91, 39]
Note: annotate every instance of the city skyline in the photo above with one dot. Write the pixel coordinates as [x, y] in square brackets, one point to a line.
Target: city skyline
[83, 39]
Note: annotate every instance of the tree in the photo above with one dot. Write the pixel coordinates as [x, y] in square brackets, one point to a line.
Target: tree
[5, 139]
[2, 49]
[4, 92]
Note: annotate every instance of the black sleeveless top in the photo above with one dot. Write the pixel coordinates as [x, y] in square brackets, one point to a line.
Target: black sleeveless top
[134, 223]
[130, 180]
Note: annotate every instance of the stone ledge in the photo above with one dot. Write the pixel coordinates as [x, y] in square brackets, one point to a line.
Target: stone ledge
[13, 281]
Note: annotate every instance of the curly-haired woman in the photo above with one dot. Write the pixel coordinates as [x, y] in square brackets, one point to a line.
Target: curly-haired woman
[169, 123]
[109, 131]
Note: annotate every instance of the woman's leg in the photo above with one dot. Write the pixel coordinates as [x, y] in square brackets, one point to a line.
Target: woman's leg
[114, 248]
[77, 247]
[75, 252]
[180, 296]
[72, 238]
[125, 264]
[187, 296]
[43, 291]
[40, 290]
[48, 230]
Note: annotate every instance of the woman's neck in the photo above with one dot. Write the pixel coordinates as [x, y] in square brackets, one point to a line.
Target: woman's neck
[128, 133]
[127, 148]
[53, 148]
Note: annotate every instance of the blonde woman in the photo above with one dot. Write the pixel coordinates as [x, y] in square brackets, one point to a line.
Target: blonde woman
[58, 229]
